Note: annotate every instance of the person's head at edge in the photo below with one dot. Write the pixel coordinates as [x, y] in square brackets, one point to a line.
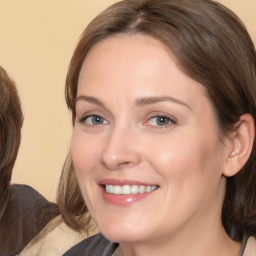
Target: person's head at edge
[212, 47]
[11, 120]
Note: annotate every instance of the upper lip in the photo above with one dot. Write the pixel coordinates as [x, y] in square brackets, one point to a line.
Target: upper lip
[123, 182]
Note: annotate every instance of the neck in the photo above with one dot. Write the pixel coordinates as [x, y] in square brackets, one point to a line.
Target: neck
[199, 243]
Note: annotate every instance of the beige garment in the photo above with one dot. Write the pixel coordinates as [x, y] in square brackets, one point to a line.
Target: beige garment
[250, 249]
[117, 252]
[55, 239]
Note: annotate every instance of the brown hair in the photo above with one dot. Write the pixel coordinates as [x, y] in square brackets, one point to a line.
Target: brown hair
[11, 120]
[212, 46]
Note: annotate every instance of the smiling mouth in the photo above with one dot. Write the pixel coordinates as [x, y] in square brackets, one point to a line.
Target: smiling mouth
[129, 189]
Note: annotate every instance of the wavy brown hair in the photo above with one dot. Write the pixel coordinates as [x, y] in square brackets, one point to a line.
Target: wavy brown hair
[213, 47]
[11, 120]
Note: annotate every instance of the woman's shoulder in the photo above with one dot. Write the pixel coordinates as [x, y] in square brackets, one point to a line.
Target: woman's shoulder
[96, 245]
[21, 193]
[26, 214]
[55, 239]
[29, 206]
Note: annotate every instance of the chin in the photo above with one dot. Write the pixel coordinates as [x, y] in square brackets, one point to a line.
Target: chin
[124, 234]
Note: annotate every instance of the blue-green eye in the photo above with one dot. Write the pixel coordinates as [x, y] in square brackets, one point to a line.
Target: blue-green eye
[160, 121]
[93, 120]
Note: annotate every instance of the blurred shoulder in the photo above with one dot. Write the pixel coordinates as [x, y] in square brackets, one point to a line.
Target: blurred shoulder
[22, 193]
[30, 205]
[55, 239]
[26, 214]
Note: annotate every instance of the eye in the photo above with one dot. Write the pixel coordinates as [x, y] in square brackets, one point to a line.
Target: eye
[92, 120]
[160, 121]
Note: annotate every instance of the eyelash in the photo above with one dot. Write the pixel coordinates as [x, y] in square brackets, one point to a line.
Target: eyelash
[85, 118]
[171, 121]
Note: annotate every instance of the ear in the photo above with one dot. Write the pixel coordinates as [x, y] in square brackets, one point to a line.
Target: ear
[240, 145]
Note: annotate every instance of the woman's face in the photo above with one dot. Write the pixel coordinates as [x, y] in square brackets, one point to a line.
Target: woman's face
[145, 144]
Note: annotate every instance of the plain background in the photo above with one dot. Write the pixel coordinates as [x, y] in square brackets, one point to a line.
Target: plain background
[37, 38]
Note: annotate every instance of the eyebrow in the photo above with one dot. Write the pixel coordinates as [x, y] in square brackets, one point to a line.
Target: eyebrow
[90, 100]
[144, 101]
[153, 100]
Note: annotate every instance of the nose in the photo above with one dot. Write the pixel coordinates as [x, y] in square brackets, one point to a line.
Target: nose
[120, 150]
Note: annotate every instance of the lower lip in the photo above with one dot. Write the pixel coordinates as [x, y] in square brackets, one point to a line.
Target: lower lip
[124, 200]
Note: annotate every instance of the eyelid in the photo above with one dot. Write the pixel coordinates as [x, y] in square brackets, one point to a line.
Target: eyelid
[86, 108]
[164, 115]
[150, 116]
[86, 115]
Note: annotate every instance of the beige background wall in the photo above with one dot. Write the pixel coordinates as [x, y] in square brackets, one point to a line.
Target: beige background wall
[37, 38]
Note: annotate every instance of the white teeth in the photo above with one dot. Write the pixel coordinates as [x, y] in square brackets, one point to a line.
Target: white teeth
[109, 188]
[153, 188]
[127, 189]
[135, 189]
[148, 189]
[142, 189]
[117, 190]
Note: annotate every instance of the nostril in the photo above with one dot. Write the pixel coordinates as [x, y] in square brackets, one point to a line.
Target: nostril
[116, 165]
[125, 164]
[117, 158]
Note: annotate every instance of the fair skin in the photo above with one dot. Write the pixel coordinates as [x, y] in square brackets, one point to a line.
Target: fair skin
[141, 121]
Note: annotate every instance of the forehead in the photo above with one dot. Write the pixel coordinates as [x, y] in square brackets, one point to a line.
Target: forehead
[113, 51]
[126, 62]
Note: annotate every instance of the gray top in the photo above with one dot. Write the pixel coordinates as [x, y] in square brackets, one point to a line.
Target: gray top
[98, 245]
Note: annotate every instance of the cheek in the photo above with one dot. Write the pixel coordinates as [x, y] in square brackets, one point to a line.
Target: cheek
[85, 157]
[190, 176]
[83, 153]
[186, 158]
